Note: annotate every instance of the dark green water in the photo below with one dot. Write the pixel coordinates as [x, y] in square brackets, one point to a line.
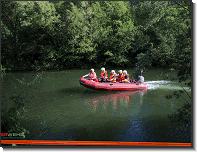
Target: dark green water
[62, 109]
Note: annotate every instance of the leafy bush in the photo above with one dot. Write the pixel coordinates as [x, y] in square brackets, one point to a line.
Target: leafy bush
[10, 117]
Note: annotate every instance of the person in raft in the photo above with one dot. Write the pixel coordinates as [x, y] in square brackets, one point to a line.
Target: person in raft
[104, 75]
[112, 77]
[119, 76]
[92, 75]
[125, 77]
[140, 79]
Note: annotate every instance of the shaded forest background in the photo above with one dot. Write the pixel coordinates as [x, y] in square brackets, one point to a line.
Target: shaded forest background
[55, 35]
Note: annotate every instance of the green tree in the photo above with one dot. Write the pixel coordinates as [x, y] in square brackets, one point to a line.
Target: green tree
[164, 35]
[116, 33]
[25, 25]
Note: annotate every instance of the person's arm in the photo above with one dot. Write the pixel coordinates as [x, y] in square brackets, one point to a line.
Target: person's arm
[85, 75]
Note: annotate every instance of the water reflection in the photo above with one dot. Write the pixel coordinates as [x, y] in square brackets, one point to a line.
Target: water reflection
[116, 100]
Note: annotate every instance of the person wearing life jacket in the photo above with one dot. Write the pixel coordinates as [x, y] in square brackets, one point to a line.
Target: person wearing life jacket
[119, 76]
[104, 75]
[92, 75]
[112, 77]
[125, 77]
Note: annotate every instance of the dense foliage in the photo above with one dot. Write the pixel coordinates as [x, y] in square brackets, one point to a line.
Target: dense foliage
[12, 114]
[39, 35]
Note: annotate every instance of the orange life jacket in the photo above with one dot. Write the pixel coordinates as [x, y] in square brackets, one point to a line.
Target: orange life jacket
[119, 75]
[102, 74]
[127, 75]
[125, 78]
[111, 77]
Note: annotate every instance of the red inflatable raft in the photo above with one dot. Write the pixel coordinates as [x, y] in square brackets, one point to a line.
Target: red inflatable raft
[108, 86]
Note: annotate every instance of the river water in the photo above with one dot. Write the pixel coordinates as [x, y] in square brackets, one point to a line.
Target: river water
[62, 109]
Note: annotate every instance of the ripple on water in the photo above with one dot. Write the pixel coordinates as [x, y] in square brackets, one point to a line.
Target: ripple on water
[165, 85]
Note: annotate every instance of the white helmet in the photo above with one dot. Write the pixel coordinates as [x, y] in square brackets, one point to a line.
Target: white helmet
[125, 71]
[102, 69]
[92, 70]
[113, 71]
